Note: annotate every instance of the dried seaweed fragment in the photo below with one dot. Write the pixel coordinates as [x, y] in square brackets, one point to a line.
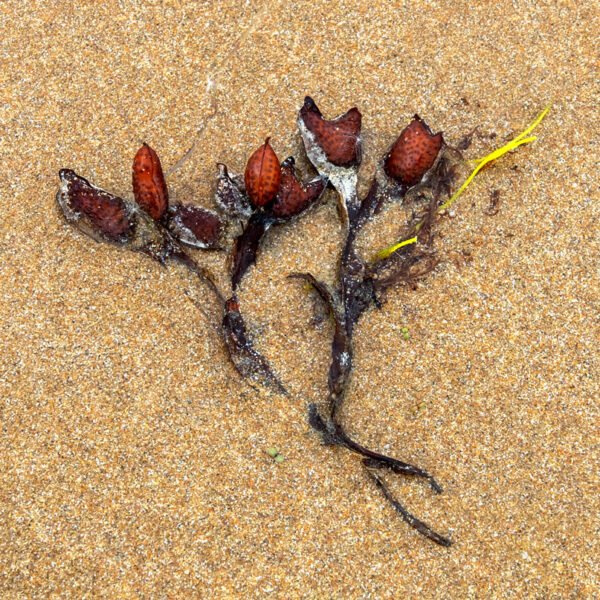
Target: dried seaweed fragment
[108, 218]
[415, 523]
[418, 171]
[413, 157]
[291, 199]
[248, 362]
[450, 173]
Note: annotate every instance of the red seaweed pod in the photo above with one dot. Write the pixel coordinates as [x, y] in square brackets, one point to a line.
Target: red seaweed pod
[262, 175]
[149, 185]
[93, 210]
[413, 153]
[339, 138]
[292, 197]
[195, 226]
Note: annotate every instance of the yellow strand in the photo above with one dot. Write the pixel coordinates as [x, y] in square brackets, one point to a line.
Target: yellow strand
[391, 249]
[496, 154]
[527, 131]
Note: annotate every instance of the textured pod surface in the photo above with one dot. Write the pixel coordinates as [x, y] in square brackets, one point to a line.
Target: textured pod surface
[292, 197]
[195, 226]
[339, 138]
[413, 153]
[262, 175]
[93, 210]
[149, 185]
[230, 200]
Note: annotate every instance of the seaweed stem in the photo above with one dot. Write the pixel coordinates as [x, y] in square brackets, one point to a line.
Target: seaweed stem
[202, 272]
[354, 294]
[409, 518]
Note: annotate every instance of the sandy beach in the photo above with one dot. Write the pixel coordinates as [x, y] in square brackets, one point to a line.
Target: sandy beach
[133, 458]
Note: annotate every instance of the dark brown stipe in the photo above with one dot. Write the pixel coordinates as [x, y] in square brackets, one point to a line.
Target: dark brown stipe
[248, 362]
[415, 523]
[245, 248]
[409, 161]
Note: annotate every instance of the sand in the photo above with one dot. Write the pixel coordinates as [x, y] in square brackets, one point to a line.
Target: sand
[133, 458]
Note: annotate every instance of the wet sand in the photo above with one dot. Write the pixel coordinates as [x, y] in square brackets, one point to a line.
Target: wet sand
[133, 458]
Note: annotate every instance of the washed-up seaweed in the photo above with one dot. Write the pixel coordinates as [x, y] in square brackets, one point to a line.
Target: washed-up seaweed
[271, 194]
[418, 171]
[414, 161]
[275, 196]
[109, 218]
[151, 226]
[249, 363]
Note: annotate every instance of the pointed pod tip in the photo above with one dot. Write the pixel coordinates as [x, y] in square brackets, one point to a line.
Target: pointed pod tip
[310, 103]
[289, 162]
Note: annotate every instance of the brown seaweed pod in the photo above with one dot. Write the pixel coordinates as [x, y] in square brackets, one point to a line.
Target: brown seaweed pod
[96, 212]
[292, 197]
[262, 175]
[413, 153]
[195, 226]
[339, 138]
[149, 185]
